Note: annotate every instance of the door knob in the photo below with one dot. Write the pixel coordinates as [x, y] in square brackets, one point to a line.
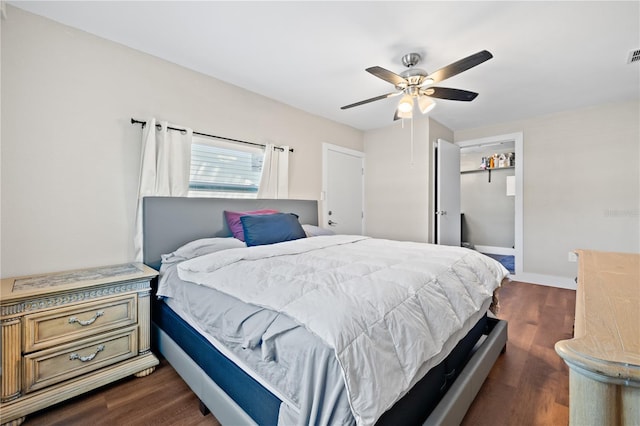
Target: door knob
[331, 223]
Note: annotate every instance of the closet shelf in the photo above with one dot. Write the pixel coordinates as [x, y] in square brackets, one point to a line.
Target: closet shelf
[487, 170]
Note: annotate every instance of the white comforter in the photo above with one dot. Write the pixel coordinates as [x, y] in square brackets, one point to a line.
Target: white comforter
[387, 308]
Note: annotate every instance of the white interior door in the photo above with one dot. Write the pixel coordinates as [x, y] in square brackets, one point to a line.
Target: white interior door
[447, 200]
[343, 188]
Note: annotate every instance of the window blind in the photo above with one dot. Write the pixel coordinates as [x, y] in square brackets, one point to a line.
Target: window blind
[224, 169]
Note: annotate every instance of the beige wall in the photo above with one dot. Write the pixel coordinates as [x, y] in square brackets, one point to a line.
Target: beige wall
[397, 190]
[398, 199]
[581, 183]
[70, 157]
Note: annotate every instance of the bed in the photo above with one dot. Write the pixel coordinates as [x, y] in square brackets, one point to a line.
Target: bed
[238, 392]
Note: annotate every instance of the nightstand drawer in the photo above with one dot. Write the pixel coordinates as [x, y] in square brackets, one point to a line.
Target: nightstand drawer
[47, 367]
[47, 329]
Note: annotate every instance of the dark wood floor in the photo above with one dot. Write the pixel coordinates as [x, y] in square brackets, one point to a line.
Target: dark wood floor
[529, 385]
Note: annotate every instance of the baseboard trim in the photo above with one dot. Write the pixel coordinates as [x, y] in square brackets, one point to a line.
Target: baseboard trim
[547, 280]
[495, 250]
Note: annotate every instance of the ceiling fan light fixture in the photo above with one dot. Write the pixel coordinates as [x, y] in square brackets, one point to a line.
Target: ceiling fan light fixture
[403, 114]
[425, 104]
[405, 105]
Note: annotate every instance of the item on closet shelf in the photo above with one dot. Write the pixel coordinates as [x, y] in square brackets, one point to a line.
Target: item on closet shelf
[511, 158]
[483, 163]
[495, 160]
[502, 160]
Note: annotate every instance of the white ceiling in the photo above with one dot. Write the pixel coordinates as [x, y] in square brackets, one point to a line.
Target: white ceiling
[548, 56]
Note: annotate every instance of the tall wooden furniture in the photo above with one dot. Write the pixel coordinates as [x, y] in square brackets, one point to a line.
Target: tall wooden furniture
[604, 355]
[66, 333]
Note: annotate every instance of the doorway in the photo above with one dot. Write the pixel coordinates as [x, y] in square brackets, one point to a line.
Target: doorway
[493, 143]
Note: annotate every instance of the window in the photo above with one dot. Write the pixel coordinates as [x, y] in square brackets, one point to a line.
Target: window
[224, 169]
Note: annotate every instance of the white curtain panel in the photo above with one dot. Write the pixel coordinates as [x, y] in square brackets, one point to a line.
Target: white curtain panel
[164, 168]
[274, 180]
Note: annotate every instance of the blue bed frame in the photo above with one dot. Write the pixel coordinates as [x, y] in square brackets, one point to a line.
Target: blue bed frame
[442, 397]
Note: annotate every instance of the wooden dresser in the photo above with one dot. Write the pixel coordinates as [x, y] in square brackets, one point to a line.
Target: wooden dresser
[66, 333]
[604, 355]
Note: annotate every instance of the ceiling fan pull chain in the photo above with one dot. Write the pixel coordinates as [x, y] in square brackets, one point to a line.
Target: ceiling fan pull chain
[411, 163]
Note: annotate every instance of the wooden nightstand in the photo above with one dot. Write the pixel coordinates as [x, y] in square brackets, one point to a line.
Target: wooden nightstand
[66, 333]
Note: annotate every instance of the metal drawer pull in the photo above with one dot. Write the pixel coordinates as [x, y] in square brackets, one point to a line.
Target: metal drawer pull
[86, 322]
[74, 355]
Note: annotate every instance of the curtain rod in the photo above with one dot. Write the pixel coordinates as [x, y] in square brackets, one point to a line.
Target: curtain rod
[144, 123]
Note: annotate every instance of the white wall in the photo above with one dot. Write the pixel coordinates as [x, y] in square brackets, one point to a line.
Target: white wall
[581, 183]
[70, 157]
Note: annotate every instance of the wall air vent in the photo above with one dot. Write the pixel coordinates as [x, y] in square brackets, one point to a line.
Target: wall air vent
[634, 56]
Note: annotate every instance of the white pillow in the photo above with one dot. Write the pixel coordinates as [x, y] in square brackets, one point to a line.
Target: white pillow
[314, 231]
[200, 248]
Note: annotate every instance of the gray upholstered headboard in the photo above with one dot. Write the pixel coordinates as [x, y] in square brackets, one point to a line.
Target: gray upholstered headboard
[170, 222]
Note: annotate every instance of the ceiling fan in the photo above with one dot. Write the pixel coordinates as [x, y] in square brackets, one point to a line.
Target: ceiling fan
[416, 84]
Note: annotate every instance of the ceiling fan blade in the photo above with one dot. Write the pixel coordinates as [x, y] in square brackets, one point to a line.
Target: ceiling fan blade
[388, 76]
[460, 66]
[451, 94]
[366, 101]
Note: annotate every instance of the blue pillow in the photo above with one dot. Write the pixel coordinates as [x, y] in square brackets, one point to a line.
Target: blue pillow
[271, 228]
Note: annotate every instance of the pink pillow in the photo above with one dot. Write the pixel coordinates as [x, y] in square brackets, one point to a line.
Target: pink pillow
[234, 223]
